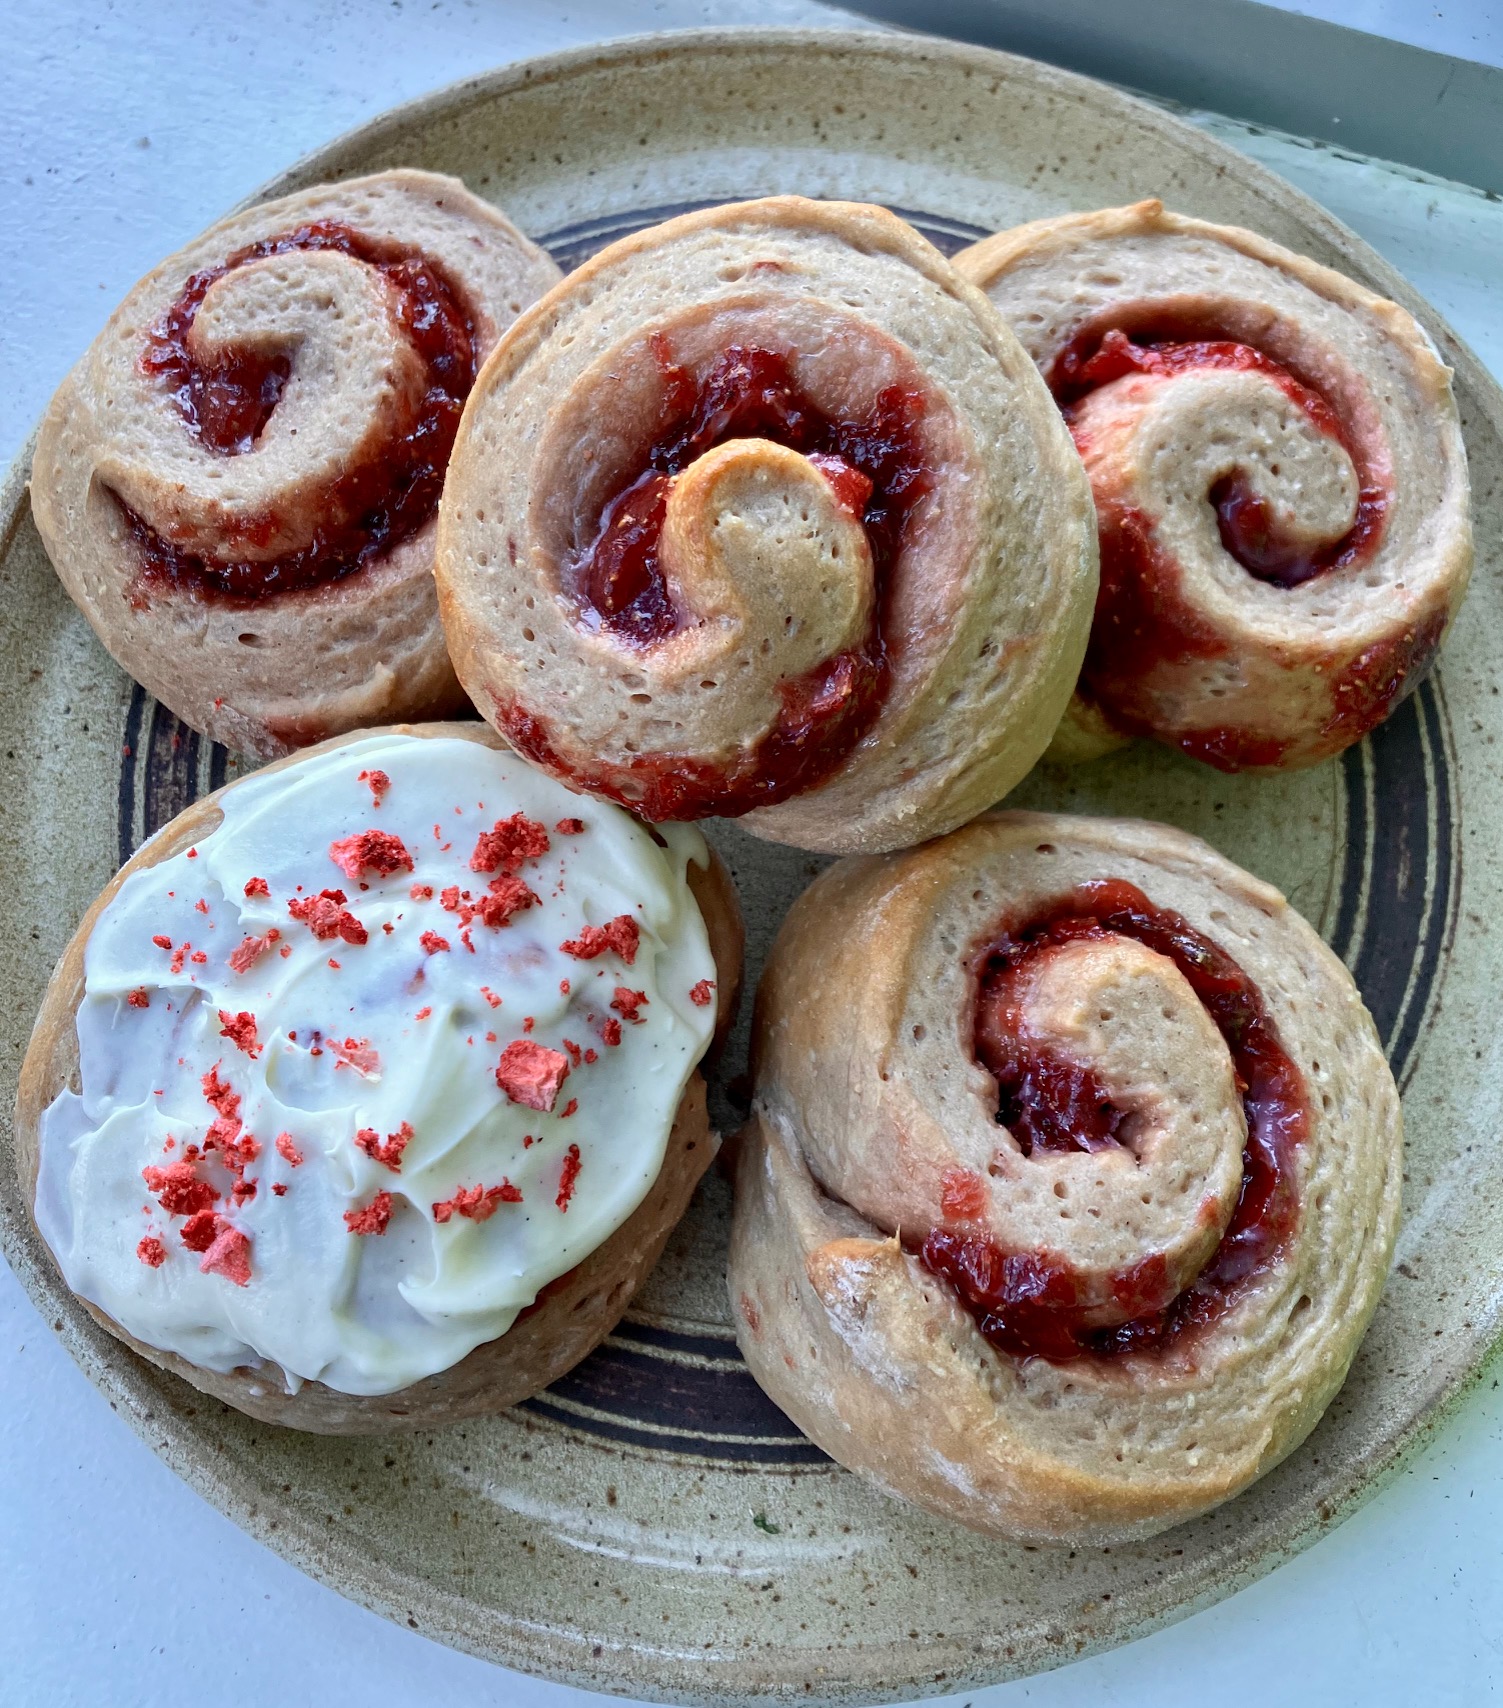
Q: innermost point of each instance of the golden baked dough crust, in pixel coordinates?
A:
(1259, 675)
(989, 593)
(572, 1316)
(870, 1104)
(294, 667)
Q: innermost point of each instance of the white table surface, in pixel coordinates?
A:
(118, 1585)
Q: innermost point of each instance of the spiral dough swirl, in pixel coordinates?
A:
(1279, 476)
(763, 511)
(1072, 1177)
(238, 484)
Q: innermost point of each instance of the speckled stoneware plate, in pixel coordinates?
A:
(653, 1525)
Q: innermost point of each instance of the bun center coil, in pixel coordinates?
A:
(334, 367)
(1137, 1066)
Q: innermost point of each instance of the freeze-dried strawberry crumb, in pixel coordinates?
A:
(200, 906)
(569, 1108)
(610, 1033)
(507, 895)
(198, 957)
(508, 844)
(179, 1190)
(326, 916)
(252, 949)
(628, 1002)
(423, 1012)
(433, 944)
(228, 1256)
(373, 1218)
(357, 1053)
(702, 993)
(591, 1056)
(527, 1024)
(179, 955)
(478, 1203)
(218, 1095)
(621, 934)
(569, 826)
(576, 1055)
(257, 887)
(378, 782)
(139, 997)
(387, 1152)
(567, 1177)
(288, 1151)
(243, 1191)
(531, 1074)
(151, 1252)
(490, 996)
(421, 892)
(378, 851)
(234, 1152)
(279, 1189)
(240, 1029)
(161, 941)
(198, 1230)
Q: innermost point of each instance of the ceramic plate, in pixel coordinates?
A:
(652, 1524)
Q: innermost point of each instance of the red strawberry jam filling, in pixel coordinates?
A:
(877, 470)
(372, 505)
(1031, 1303)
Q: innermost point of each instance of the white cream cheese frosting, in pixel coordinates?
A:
(353, 1134)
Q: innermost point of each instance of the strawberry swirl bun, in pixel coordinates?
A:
(238, 483)
(764, 512)
(1072, 1177)
(1279, 475)
(368, 1093)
